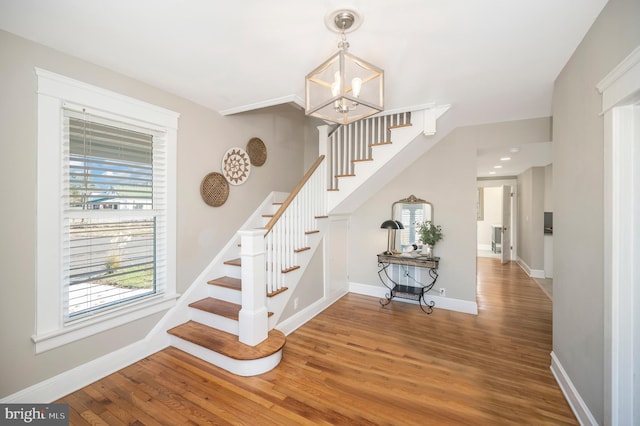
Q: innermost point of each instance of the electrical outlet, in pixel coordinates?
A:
(443, 292)
(295, 303)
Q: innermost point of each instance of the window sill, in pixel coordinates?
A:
(89, 326)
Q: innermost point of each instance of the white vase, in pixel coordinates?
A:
(427, 250)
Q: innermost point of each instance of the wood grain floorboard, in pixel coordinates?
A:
(360, 364)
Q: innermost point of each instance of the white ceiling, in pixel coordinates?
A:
(513, 160)
(492, 60)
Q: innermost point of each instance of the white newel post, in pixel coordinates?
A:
(253, 317)
(323, 139)
(323, 149)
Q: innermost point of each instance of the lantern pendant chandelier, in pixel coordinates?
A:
(344, 88)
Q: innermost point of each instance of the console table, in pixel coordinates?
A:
(405, 291)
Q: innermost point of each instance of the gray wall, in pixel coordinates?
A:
(445, 176)
(531, 217)
(578, 147)
(203, 138)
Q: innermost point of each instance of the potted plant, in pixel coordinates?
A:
(430, 234)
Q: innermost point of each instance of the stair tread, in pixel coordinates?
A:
(277, 292)
(227, 344)
(234, 262)
(397, 126)
(228, 282)
(218, 307)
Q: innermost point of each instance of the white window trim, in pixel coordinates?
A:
(53, 91)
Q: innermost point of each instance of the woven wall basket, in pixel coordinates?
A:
(214, 189)
(257, 152)
(236, 166)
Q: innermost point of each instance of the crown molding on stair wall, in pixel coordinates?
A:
(289, 99)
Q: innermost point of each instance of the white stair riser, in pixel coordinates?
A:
(232, 271)
(215, 321)
(239, 367)
(227, 294)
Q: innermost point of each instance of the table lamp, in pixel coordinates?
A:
(391, 226)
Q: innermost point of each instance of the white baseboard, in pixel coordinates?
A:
(71, 380)
(574, 399)
(447, 303)
(295, 321)
(533, 273)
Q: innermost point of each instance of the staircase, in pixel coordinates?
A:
(230, 321)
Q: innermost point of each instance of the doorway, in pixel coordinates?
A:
(496, 224)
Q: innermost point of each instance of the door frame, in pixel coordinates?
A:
(621, 110)
(498, 183)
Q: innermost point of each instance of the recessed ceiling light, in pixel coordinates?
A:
(505, 158)
(514, 150)
(497, 167)
(492, 173)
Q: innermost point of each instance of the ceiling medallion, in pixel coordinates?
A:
(236, 166)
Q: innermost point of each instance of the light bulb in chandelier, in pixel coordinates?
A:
(356, 86)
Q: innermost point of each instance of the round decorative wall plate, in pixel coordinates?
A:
(257, 152)
(214, 189)
(236, 166)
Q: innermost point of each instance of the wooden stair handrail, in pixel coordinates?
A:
(293, 194)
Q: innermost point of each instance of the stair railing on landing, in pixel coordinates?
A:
(353, 142)
(287, 231)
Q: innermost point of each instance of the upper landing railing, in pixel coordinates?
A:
(353, 142)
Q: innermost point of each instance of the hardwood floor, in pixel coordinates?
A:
(360, 364)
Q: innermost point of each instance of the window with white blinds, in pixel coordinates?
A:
(106, 210)
(113, 207)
